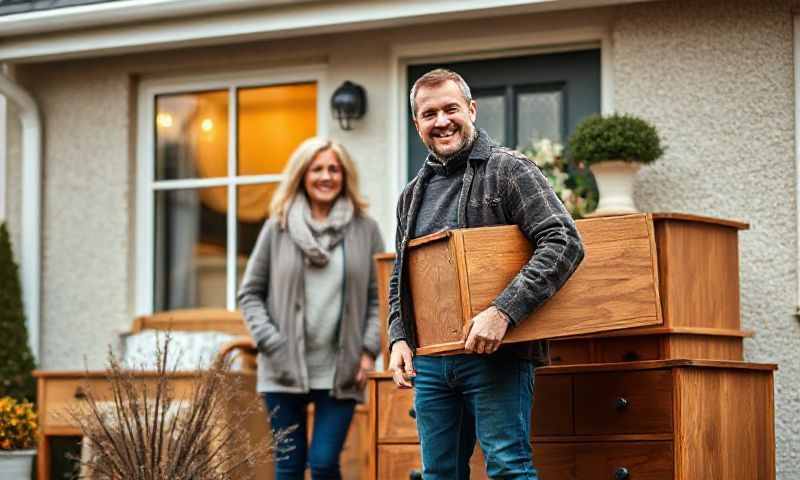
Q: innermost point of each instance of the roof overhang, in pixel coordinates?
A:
(145, 25)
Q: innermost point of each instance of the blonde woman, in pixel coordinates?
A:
(309, 298)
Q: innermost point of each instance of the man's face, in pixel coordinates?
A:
(444, 120)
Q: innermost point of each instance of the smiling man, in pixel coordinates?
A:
(469, 181)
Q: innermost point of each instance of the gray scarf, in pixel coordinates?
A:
(317, 238)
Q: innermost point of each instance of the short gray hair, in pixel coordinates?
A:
(434, 78)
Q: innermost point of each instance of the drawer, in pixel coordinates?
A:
(63, 394)
(552, 405)
(396, 414)
(627, 349)
(570, 352)
(604, 461)
(623, 402)
(605, 350)
(400, 462)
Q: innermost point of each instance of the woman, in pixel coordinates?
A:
(309, 297)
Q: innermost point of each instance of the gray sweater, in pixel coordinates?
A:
(272, 301)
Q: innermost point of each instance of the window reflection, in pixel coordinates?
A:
(190, 249)
(273, 121)
(192, 135)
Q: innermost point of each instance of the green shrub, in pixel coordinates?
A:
(615, 137)
(16, 360)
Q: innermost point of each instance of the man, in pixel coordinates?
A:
(468, 181)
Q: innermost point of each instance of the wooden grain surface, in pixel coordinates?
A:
(395, 425)
(705, 347)
(699, 274)
(384, 264)
(649, 402)
(434, 286)
(600, 461)
(196, 319)
(725, 425)
(614, 287)
(656, 364)
(736, 224)
(552, 406)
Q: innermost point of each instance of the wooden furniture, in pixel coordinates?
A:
(58, 389)
(698, 263)
(454, 275)
(649, 420)
(671, 401)
(663, 419)
(384, 263)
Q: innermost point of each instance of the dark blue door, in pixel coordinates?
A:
(522, 99)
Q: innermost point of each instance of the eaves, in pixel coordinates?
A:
(146, 25)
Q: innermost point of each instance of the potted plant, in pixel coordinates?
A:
(18, 426)
(614, 147)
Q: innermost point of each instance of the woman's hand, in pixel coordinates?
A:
(367, 365)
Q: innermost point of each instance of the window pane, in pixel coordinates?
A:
(492, 116)
(190, 248)
(272, 123)
(252, 213)
(192, 135)
(539, 116)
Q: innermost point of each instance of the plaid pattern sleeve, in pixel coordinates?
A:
(536, 209)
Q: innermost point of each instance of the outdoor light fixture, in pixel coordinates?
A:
(348, 102)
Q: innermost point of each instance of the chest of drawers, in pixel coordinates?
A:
(647, 420)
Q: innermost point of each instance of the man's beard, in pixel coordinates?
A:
(470, 134)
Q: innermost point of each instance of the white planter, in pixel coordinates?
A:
(16, 464)
(615, 186)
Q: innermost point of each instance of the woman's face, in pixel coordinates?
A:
(323, 179)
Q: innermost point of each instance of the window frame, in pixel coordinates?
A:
(146, 185)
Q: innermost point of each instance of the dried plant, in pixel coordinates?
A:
(145, 433)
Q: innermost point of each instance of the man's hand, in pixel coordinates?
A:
(367, 365)
(486, 331)
(400, 364)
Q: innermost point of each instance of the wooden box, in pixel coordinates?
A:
(454, 275)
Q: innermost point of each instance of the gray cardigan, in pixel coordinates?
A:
(271, 300)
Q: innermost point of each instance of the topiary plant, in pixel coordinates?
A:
(615, 137)
(16, 360)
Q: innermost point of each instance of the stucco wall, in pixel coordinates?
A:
(716, 77)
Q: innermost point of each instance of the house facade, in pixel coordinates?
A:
(142, 139)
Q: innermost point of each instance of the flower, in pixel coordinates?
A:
(18, 424)
(572, 183)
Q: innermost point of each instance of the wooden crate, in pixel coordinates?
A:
(455, 275)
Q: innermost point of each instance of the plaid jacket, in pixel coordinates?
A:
(501, 187)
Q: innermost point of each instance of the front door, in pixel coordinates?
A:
(522, 99)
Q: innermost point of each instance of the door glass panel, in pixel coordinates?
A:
(191, 135)
(190, 247)
(539, 115)
(492, 116)
(273, 121)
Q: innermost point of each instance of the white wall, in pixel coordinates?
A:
(716, 77)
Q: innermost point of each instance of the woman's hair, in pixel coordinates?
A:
(296, 169)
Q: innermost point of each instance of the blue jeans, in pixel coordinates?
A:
(458, 397)
(331, 422)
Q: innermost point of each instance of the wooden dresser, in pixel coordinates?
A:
(653, 403)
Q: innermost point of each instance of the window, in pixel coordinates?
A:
(212, 153)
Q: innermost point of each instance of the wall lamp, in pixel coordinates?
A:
(349, 102)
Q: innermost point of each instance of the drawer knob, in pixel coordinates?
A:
(412, 413)
(415, 475)
(630, 356)
(80, 394)
(622, 473)
(622, 403)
